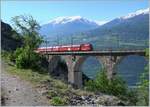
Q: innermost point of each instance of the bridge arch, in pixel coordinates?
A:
(77, 67)
(82, 59)
(130, 72)
(58, 67)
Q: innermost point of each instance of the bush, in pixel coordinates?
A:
(132, 97)
(26, 58)
(102, 84)
(57, 101)
(13, 55)
(22, 61)
(143, 86)
(117, 86)
(18, 52)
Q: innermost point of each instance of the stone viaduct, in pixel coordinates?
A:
(74, 60)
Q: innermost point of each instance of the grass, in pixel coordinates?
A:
(58, 88)
(28, 74)
(33, 76)
(58, 101)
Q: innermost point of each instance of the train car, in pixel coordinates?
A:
(55, 48)
(44, 49)
(86, 47)
(41, 49)
(75, 48)
(69, 48)
(66, 48)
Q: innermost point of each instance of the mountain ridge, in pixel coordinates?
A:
(132, 28)
(133, 14)
(67, 26)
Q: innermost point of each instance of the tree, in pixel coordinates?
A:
(27, 28)
(102, 84)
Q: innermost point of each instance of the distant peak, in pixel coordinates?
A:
(69, 19)
(138, 12)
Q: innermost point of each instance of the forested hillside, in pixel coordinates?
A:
(9, 38)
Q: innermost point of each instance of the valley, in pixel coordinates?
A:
(75, 53)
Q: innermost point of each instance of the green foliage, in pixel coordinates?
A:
(118, 86)
(143, 86)
(23, 61)
(4, 54)
(142, 97)
(130, 97)
(8, 55)
(11, 56)
(25, 56)
(147, 52)
(28, 29)
(102, 84)
(57, 101)
(52, 93)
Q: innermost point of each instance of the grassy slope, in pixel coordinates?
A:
(56, 89)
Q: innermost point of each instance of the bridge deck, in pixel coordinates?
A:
(118, 53)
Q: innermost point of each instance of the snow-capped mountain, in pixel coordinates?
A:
(65, 20)
(67, 26)
(134, 26)
(138, 12)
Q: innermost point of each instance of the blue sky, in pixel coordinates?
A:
(44, 11)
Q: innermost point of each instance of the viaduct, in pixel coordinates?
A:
(74, 60)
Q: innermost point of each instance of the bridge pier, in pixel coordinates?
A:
(74, 75)
(109, 65)
(75, 79)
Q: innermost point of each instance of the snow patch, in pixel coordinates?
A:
(101, 22)
(138, 12)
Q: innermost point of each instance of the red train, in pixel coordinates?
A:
(81, 47)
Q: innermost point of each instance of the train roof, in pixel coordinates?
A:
(59, 46)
